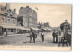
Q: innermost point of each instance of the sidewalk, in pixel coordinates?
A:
(27, 34)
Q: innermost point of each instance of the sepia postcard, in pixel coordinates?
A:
(25, 26)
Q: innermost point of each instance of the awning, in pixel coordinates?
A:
(22, 28)
(35, 29)
(11, 27)
(44, 28)
(14, 27)
(48, 28)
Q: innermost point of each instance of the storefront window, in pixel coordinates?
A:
(11, 30)
(4, 29)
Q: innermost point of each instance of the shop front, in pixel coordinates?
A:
(8, 29)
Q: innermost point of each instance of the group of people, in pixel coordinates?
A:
(57, 36)
(33, 35)
(61, 37)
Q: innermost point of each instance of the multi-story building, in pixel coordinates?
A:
(8, 18)
(29, 17)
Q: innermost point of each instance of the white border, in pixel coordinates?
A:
(75, 25)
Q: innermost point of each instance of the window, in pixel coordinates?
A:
(2, 19)
(8, 20)
(4, 29)
(13, 22)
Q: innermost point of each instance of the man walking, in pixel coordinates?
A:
(54, 36)
(30, 36)
(6, 33)
(33, 35)
(42, 36)
(57, 34)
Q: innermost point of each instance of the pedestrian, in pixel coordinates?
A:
(33, 35)
(30, 36)
(6, 33)
(57, 36)
(54, 36)
(42, 36)
(60, 38)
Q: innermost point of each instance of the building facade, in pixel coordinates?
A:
(8, 18)
(29, 17)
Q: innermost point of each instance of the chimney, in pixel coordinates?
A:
(7, 6)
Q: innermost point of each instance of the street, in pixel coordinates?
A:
(24, 39)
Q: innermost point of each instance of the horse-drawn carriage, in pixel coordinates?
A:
(66, 39)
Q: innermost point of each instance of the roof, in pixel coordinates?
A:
(14, 27)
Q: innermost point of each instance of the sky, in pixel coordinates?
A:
(55, 14)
